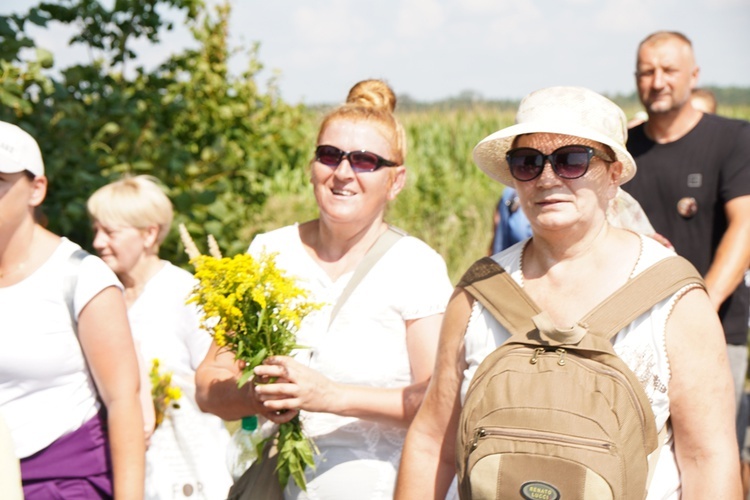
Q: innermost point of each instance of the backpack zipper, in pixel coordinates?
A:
(541, 350)
(538, 436)
(591, 365)
(597, 367)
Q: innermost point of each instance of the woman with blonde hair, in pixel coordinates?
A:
(131, 218)
(361, 380)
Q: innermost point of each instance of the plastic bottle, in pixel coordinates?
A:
(242, 451)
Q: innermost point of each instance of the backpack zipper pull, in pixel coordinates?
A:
(561, 353)
(535, 357)
(478, 434)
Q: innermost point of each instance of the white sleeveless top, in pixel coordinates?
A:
(641, 345)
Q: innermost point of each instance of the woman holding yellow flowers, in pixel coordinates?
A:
(185, 458)
(359, 378)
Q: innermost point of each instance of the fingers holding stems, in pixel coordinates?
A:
(283, 384)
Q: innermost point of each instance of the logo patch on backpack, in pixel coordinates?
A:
(537, 490)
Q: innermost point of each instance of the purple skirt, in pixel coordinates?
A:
(76, 466)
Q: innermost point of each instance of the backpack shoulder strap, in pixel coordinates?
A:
(384, 242)
(640, 293)
(490, 284)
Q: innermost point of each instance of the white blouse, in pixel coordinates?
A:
(365, 345)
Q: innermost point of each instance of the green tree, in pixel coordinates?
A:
(218, 143)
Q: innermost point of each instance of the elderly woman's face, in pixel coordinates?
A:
(348, 196)
(120, 247)
(551, 202)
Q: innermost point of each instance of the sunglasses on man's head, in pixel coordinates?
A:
(361, 161)
(568, 162)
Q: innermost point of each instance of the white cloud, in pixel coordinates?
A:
(582, 2)
(329, 25)
(490, 6)
(624, 16)
(436, 48)
(721, 4)
(387, 48)
(520, 25)
(419, 18)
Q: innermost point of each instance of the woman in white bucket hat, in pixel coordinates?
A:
(566, 157)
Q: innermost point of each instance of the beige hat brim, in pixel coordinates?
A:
(489, 154)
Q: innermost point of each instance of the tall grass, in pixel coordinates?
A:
(448, 202)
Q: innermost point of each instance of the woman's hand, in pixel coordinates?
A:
(662, 239)
(285, 386)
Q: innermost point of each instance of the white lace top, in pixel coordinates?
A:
(365, 345)
(641, 345)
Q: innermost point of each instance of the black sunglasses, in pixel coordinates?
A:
(568, 162)
(361, 161)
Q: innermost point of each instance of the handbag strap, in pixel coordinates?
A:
(384, 242)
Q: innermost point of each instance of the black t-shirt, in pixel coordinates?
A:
(683, 186)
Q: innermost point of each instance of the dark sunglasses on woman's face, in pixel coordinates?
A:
(361, 161)
(568, 162)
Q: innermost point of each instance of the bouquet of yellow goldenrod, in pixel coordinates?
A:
(253, 309)
(163, 393)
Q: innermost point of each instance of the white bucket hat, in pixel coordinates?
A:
(575, 111)
(19, 151)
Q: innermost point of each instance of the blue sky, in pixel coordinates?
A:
(432, 49)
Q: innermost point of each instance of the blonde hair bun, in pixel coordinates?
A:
(374, 102)
(372, 94)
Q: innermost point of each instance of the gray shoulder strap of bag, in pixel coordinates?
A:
(384, 242)
(491, 285)
(71, 281)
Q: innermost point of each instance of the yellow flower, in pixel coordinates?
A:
(253, 309)
(249, 306)
(173, 393)
(163, 393)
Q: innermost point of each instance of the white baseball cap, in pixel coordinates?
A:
(19, 151)
(573, 111)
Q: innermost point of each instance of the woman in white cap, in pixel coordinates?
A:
(566, 157)
(68, 369)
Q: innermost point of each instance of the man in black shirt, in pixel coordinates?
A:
(693, 182)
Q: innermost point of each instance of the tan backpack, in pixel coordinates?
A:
(557, 414)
